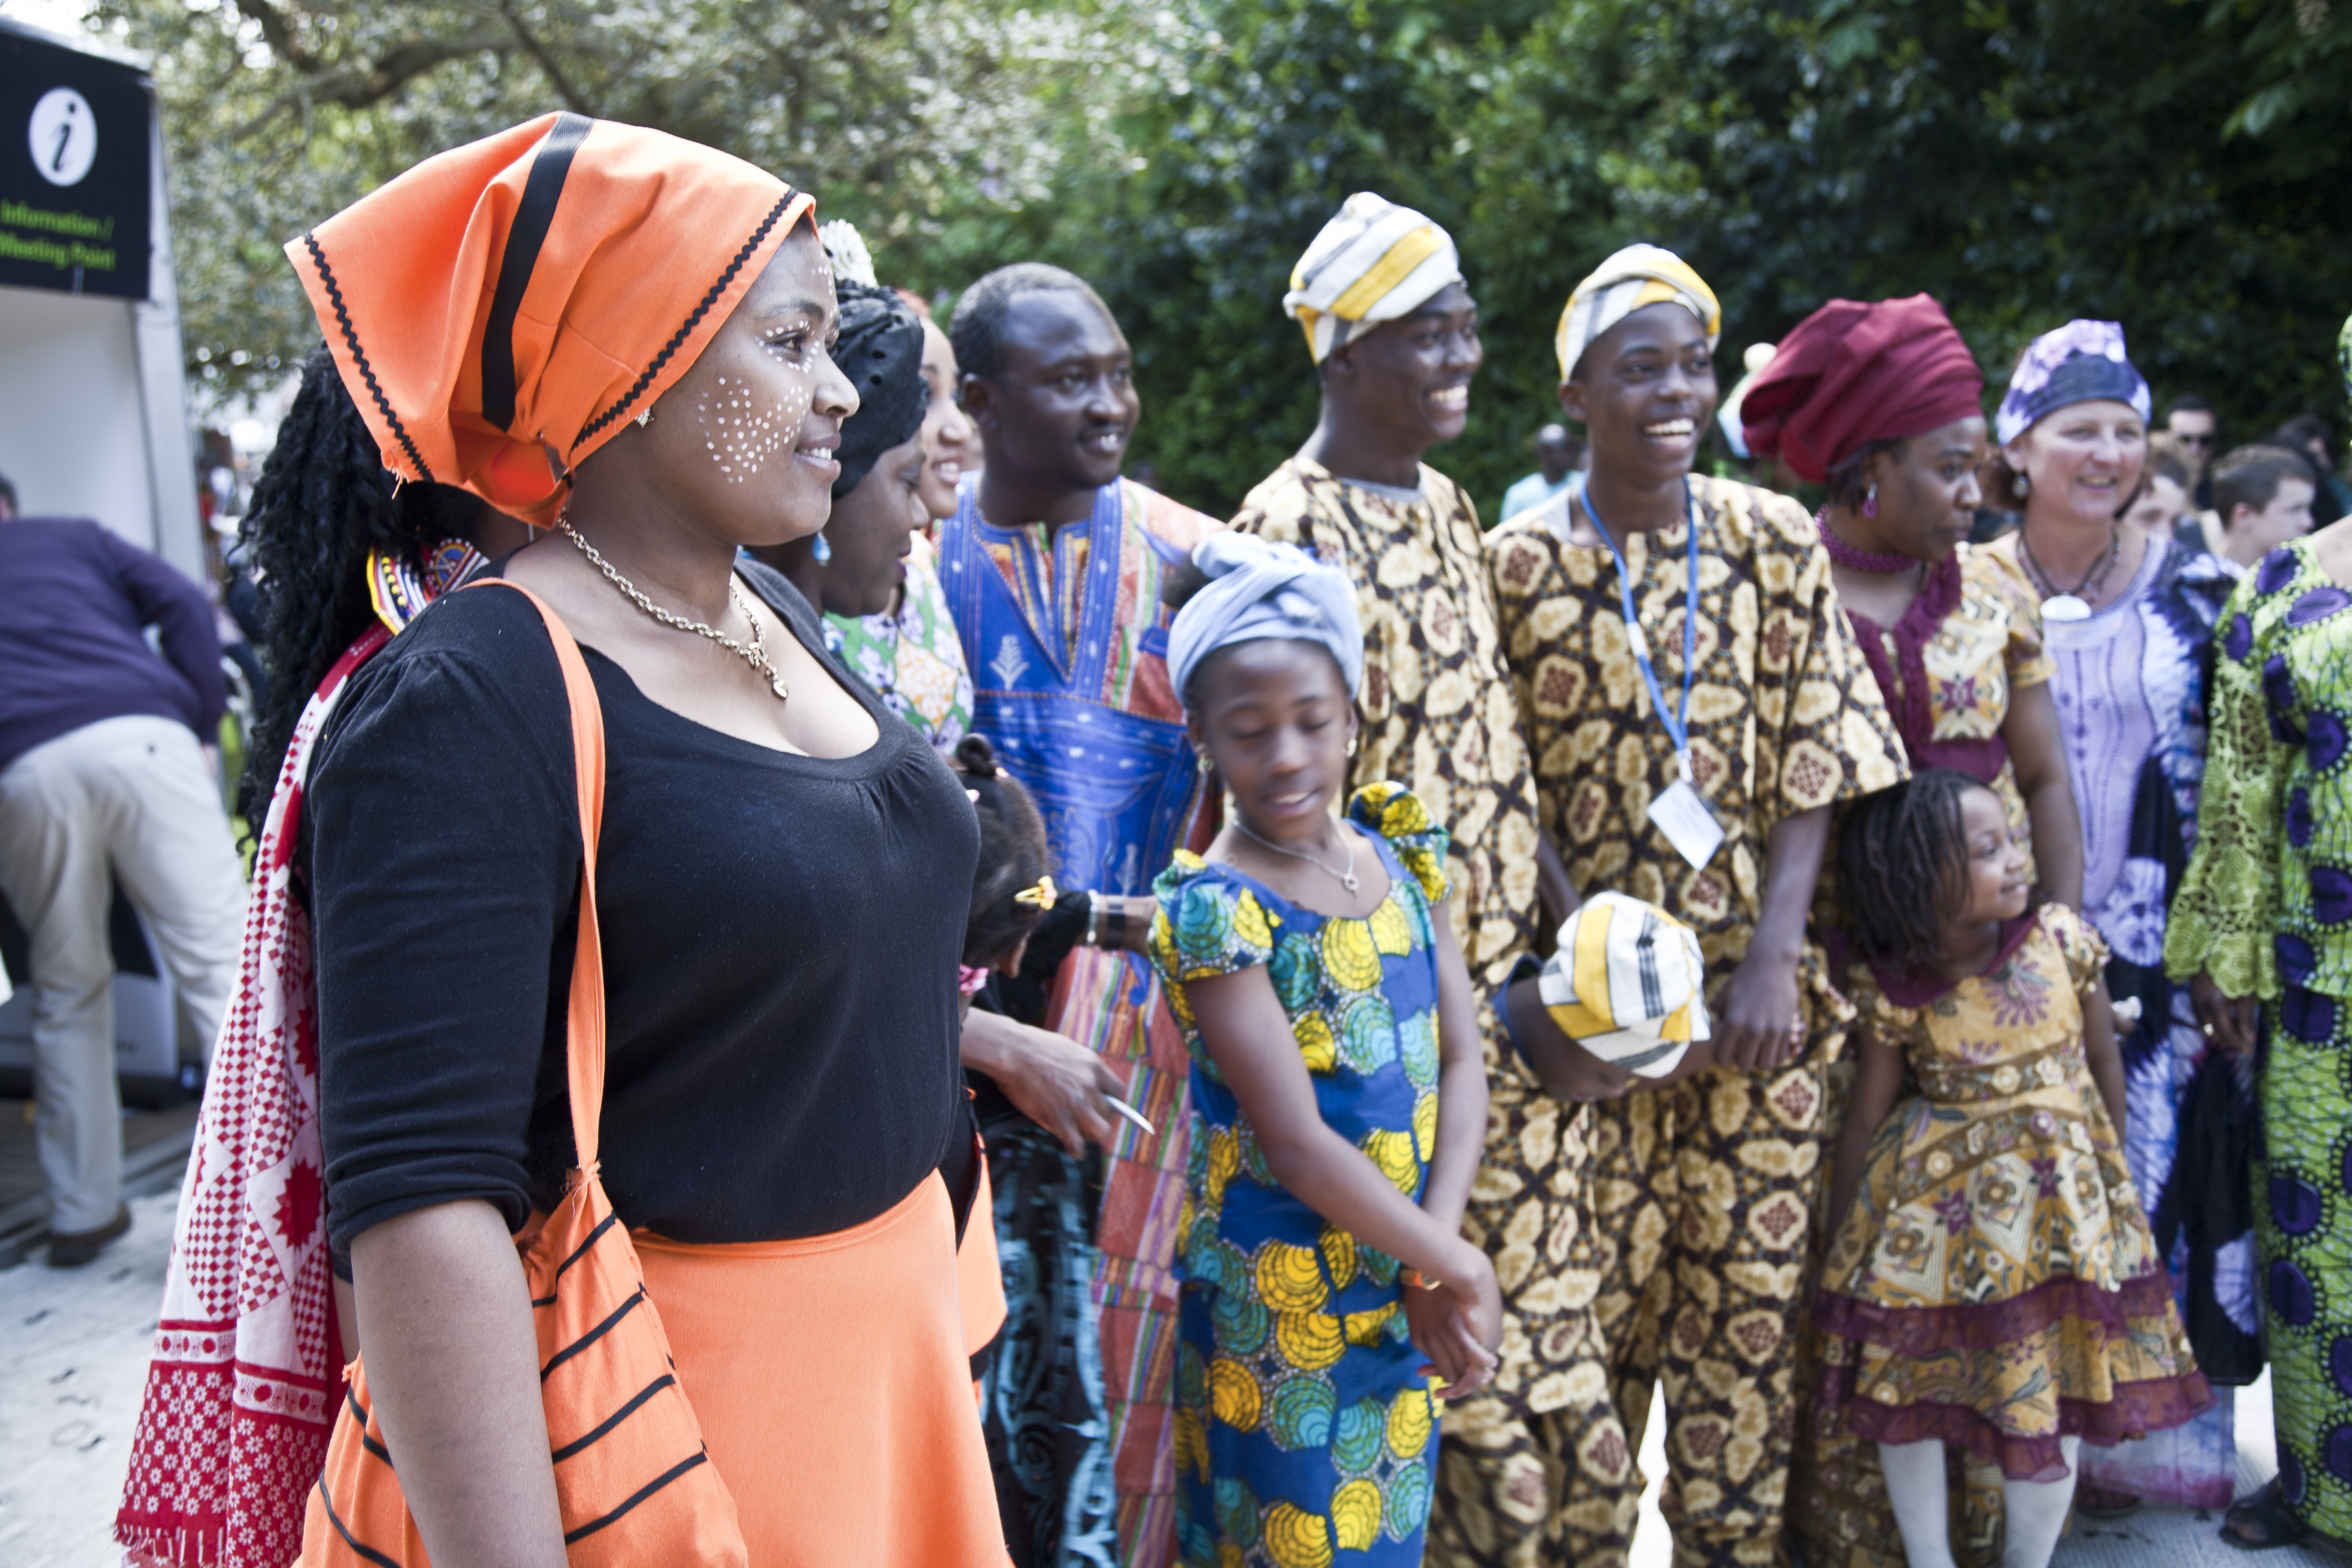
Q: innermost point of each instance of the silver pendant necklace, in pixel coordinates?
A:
(2074, 606)
(754, 653)
(1347, 879)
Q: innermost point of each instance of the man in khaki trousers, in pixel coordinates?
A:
(103, 776)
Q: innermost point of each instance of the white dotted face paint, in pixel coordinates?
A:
(747, 421)
(743, 426)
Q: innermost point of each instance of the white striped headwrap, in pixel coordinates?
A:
(1373, 263)
(1627, 983)
(1637, 276)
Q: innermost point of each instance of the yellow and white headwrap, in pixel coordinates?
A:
(1636, 275)
(1373, 263)
(1626, 983)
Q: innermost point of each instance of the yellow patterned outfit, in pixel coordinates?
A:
(1946, 668)
(1439, 715)
(1702, 1190)
(1996, 1284)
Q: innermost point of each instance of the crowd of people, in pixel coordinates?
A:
(830, 979)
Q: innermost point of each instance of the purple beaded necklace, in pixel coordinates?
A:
(1882, 564)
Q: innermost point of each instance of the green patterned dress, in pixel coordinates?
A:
(1305, 1430)
(909, 655)
(2267, 909)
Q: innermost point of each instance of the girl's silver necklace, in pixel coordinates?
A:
(1347, 879)
(754, 653)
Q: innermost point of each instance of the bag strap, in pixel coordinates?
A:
(585, 1060)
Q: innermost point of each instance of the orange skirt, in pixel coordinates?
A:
(832, 1377)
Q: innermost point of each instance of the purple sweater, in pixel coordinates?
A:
(73, 601)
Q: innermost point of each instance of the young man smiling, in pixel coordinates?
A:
(1394, 335)
(1690, 760)
(1052, 565)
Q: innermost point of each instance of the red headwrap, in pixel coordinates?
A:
(1852, 374)
(533, 290)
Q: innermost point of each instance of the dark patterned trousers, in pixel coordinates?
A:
(1503, 1497)
(1702, 1199)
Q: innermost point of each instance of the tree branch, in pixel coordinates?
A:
(361, 86)
(572, 98)
(277, 33)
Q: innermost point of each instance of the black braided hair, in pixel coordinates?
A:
(1903, 861)
(324, 501)
(1179, 581)
(1014, 855)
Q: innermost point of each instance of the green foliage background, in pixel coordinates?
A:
(2179, 165)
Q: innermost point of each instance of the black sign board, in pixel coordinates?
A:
(74, 170)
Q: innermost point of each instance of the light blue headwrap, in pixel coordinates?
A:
(2082, 361)
(1260, 590)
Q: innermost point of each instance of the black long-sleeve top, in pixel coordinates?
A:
(780, 934)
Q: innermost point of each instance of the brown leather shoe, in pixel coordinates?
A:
(77, 1248)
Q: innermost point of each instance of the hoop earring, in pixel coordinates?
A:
(1870, 502)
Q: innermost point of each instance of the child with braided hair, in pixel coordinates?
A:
(1011, 888)
(1991, 1279)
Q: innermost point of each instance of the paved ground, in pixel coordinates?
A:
(70, 1387)
(155, 1151)
(76, 1356)
(2154, 1538)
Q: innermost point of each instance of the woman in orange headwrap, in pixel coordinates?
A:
(623, 339)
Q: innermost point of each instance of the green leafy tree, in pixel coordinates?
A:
(936, 122)
(2026, 163)
(2175, 166)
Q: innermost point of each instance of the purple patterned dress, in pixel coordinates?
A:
(2130, 692)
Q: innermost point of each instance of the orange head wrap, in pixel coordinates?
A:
(533, 290)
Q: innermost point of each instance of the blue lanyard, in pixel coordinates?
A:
(1677, 724)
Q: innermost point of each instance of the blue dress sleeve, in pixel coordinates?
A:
(1207, 923)
(1395, 813)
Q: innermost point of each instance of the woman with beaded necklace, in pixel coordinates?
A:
(1883, 404)
(2128, 620)
(624, 339)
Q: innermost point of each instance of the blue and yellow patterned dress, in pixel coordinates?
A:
(1306, 1434)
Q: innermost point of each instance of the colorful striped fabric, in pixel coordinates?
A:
(1637, 276)
(1626, 982)
(1068, 641)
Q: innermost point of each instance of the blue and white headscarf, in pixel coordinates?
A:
(1259, 590)
(2082, 361)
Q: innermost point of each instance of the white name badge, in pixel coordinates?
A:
(1684, 817)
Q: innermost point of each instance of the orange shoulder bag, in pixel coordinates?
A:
(631, 1476)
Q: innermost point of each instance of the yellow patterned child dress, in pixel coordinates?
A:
(1996, 1284)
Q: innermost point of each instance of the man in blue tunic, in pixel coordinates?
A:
(1052, 567)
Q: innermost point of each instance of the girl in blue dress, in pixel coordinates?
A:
(1339, 1104)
